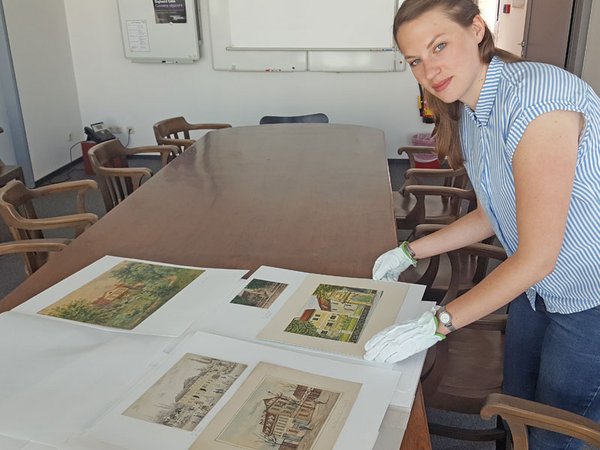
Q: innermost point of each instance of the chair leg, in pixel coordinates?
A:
(501, 444)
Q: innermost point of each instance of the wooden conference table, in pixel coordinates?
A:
(308, 197)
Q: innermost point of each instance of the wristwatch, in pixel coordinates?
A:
(445, 318)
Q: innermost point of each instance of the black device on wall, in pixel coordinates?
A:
(97, 133)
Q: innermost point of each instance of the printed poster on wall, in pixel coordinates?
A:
(170, 11)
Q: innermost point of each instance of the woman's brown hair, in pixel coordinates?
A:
(447, 115)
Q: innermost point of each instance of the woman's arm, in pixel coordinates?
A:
(469, 229)
(544, 169)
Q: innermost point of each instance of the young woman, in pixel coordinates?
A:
(529, 136)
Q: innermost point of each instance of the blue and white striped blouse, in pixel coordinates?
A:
(512, 96)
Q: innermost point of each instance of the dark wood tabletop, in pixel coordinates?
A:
(308, 197)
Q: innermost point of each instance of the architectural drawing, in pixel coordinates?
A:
(334, 312)
(259, 293)
(124, 296)
(281, 408)
(187, 392)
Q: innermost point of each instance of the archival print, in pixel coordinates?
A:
(333, 312)
(259, 293)
(187, 392)
(281, 408)
(336, 314)
(123, 296)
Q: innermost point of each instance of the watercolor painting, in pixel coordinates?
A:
(183, 396)
(123, 296)
(338, 313)
(259, 293)
(281, 408)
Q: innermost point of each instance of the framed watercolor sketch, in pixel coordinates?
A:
(279, 407)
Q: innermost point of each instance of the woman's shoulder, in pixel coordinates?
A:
(534, 82)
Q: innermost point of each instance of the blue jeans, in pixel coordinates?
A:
(553, 359)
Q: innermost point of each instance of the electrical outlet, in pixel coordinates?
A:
(130, 130)
(114, 129)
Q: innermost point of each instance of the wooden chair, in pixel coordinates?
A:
(176, 131)
(432, 196)
(521, 414)
(308, 118)
(117, 179)
(36, 251)
(18, 212)
(462, 370)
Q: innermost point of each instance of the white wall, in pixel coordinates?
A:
(43, 67)
(119, 92)
(7, 154)
(591, 63)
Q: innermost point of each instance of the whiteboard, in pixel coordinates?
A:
(146, 40)
(307, 35)
(312, 24)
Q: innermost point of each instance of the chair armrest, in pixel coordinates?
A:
(444, 191)
(208, 126)
(65, 186)
(124, 171)
(434, 173)
(167, 152)
(179, 143)
(520, 413)
(77, 221)
(412, 149)
(33, 245)
(81, 186)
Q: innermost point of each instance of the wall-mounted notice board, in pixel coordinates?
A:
(292, 35)
(160, 31)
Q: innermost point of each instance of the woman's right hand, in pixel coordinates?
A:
(392, 263)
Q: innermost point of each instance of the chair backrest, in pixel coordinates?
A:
(176, 131)
(432, 196)
(115, 178)
(16, 203)
(308, 118)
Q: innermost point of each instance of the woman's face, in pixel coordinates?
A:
(444, 56)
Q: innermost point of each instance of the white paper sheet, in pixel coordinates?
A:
(359, 431)
(172, 319)
(244, 322)
(57, 377)
(8, 443)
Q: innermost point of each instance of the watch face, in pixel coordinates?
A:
(444, 317)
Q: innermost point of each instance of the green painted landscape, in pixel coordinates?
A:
(124, 296)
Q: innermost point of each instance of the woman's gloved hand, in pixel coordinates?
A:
(402, 340)
(392, 263)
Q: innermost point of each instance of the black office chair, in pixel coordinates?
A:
(308, 118)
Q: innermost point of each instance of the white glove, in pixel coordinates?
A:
(392, 263)
(402, 340)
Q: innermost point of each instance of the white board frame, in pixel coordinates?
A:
(227, 56)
